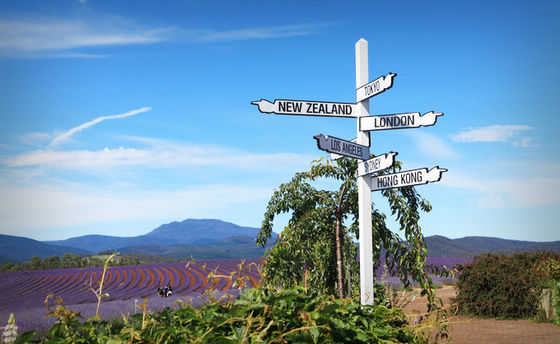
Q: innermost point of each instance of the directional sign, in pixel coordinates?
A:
(307, 108)
(379, 163)
(406, 178)
(399, 121)
(375, 87)
(335, 156)
(335, 145)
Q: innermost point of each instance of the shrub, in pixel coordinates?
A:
(258, 316)
(497, 285)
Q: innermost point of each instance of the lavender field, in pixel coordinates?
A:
(23, 293)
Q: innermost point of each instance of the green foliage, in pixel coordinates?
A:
(69, 260)
(257, 316)
(496, 285)
(306, 251)
(555, 287)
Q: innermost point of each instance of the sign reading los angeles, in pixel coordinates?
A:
(379, 163)
(306, 108)
(407, 178)
(342, 147)
(399, 121)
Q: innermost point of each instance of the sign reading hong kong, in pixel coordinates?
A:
(407, 178)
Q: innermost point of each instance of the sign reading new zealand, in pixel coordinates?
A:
(335, 145)
(306, 108)
(399, 121)
(407, 178)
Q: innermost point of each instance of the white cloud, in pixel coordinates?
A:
(526, 142)
(61, 37)
(257, 33)
(64, 136)
(61, 206)
(493, 133)
(21, 37)
(432, 145)
(158, 154)
(515, 192)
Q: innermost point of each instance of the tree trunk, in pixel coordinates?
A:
(339, 264)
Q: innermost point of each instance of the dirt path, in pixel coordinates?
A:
(466, 330)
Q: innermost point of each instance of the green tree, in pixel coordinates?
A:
(310, 248)
(52, 262)
(35, 263)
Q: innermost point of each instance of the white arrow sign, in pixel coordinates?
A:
(407, 178)
(307, 108)
(335, 145)
(375, 87)
(399, 121)
(379, 163)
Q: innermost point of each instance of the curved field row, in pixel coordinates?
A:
(30, 288)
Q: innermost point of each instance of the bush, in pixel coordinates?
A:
(496, 285)
(257, 316)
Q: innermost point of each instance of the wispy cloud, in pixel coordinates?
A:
(258, 33)
(158, 154)
(66, 135)
(63, 37)
(26, 37)
(492, 133)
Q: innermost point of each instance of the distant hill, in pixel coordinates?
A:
(440, 246)
(232, 247)
(187, 232)
(216, 239)
(17, 249)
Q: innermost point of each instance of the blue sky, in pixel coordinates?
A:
(117, 117)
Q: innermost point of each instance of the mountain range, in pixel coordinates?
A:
(216, 239)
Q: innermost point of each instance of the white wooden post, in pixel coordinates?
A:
(364, 188)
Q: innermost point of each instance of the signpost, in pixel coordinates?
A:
(399, 121)
(359, 149)
(375, 87)
(342, 147)
(406, 178)
(379, 163)
(306, 108)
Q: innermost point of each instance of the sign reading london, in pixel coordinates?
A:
(407, 178)
(399, 121)
(307, 108)
(335, 145)
(375, 87)
(379, 163)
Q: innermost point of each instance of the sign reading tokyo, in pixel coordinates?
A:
(407, 178)
(335, 145)
(379, 163)
(375, 87)
(399, 121)
(307, 108)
